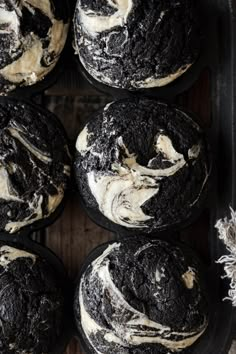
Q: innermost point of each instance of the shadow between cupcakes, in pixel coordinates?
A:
(217, 337)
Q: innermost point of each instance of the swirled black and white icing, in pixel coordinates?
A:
(31, 303)
(141, 297)
(34, 164)
(32, 36)
(136, 44)
(142, 164)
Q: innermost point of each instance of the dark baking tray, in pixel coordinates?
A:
(219, 58)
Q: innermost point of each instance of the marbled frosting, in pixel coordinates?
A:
(135, 44)
(32, 36)
(34, 164)
(142, 164)
(141, 296)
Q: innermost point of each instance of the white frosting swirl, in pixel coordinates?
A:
(93, 23)
(127, 326)
(121, 192)
(35, 203)
(9, 254)
(27, 68)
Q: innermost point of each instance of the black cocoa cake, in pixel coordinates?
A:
(134, 44)
(32, 36)
(142, 165)
(32, 303)
(34, 164)
(140, 296)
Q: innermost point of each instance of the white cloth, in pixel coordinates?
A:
(227, 233)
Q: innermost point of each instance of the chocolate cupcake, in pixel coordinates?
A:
(142, 165)
(32, 36)
(135, 44)
(140, 296)
(32, 303)
(34, 164)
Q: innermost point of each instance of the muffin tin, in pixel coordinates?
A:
(219, 57)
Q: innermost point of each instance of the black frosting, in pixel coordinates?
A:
(38, 23)
(163, 36)
(31, 308)
(27, 175)
(61, 10)
(138, 121)
(167, 301)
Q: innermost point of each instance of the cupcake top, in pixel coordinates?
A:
(134, 44)
(142, 165)
(32, 36)
(34, 164)
(31, 303)
(141, 296)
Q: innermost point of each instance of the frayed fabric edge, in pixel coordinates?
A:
(227, 233)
